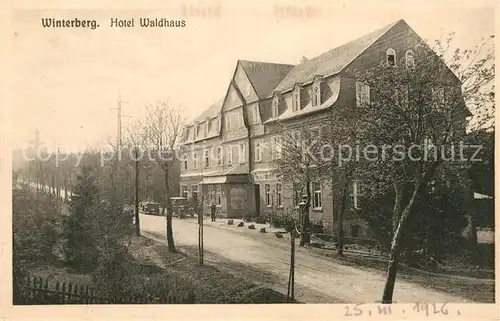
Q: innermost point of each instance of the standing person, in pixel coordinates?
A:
(212, 211)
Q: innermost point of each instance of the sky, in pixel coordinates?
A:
(65, 82)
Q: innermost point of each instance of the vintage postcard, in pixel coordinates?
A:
(282, 159)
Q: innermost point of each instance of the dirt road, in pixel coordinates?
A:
(265, 259)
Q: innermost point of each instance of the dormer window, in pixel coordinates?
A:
(391, 57)
(316, 96)
(206, 126)
(198, 129)
(296, 101)
(217, 124)
(193, 134)
(410, 59)
(275, 110)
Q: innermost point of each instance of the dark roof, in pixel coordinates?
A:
(265, 76)
(331, 61)
(211, 111)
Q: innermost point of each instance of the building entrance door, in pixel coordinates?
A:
(256, 193)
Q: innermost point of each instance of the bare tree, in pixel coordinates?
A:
(135, 142)
(164, 125)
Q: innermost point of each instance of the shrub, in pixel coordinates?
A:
(35, 229)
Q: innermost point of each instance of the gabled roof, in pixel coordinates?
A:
(210, 112)
(332, 61)
(265, 76)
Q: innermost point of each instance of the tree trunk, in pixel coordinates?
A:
(170, 234)
(396, 241)
(340, 227)
(65, 183)
(305, 237)
(396, 250)
(137, 226)
(396, 212)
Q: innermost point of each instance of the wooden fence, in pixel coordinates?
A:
(35, 290)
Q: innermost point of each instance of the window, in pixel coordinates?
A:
(233, 95)
(195, 160)
(391, 57)
(228, 122)
(198, 127)
(218, 195)
(184, 191)
(316, 97)
(241, 123)
(185, 164)
(410, 59)
(210, 194)
(192, 132)
(217, 125)
(242, 153)
(230, 155)
(219, 156)
(207, 158)
(194, 192)
(317, 197)
(279, 191)
(296, 102)
(275, 108)
(356, 193)
(255, 114)
(268, 194)
(258, 151)
(276, 148)
(248, 89)
(297, 193)
(362, 94)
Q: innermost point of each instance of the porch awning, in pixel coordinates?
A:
(214, 180)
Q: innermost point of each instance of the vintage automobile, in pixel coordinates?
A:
(151, 208)
(179, 206)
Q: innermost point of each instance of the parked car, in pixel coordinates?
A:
(179, 206)
(151, 208)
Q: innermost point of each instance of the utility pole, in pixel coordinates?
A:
(119, 117)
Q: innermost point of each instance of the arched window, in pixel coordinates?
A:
(316, 97)
(391, 57)
(410, 59)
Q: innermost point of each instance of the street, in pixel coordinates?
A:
(265, 259)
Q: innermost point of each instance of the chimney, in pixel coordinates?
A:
(303, 59)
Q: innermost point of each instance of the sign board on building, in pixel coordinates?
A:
(264, 176)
